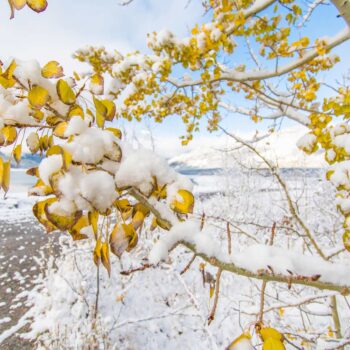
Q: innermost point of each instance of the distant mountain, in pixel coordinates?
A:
(27, 161)
(279, 147)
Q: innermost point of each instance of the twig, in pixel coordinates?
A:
(229, 245)
(141, 268)
(188, 265)
(216, 297)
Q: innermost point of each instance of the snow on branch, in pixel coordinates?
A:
(284, 111)
(270, 263)
(267, 263)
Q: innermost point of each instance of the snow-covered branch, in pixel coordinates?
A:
(272, 263)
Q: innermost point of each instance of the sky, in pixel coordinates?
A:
(67, 25)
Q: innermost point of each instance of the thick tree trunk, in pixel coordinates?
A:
(343, 7)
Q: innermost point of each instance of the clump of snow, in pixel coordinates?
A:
(76, 126)
(91, 145)
(98, 188)
(139, 167)
(49, 166)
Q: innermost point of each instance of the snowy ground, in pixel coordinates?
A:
(160, 308)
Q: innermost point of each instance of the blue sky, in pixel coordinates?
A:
(69, 24)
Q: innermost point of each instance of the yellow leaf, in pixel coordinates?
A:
(97, 252)
(346, 240)
(33, 172)
(101, 112)
(60, 130)
(123, 237)
(93, 220)
(37, 114)
(6, 79)
(243, 341)
(37, 5)
(5, 169)
(38, 97)
(97, 84)
(185, 203)
(63, 223)
(44, 142)
(115, 153)
(273, 344)
(39, 212)
(52, 69)
(40, 189)
(116, 132)
(123, 205)
(17, 153)
(66, 156)
(269, 332)
(76, 111)
(18, 4)
(138, 219)
(10, 134)
(75, 231)
(65, 92)
(211, 291)
(111, 109)
(105, 257)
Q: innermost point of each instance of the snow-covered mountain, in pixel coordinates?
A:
(279, 147)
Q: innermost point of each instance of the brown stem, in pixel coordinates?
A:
(216, 297)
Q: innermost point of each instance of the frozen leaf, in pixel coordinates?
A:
(6, 79)
(33, 172)
(38, 97)
(52, 69)
(39, 212)
(97, 84)
(138, 219)
(62, 222)
(184, 204)
(60, 130)
(97, 251)
(115, 153)
(115, 131)
(93, 220)
(40, 189)
(44, 142)
(346, 240)
(17, 153)
(243, 342)
(76, 110)
(101, 113)
(33, 142)
(65, 92)
(10, 134)
(105, 257)
(75, 231)
(66, 156)
(5, 171)
(123, 237)
(111, 109)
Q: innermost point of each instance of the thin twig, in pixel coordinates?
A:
(216, 296)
